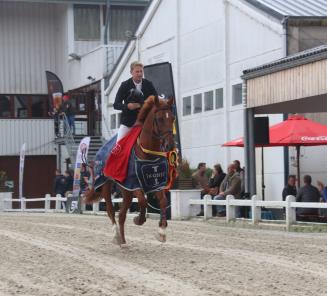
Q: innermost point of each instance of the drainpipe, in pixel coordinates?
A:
(285, 115)
(106, 39)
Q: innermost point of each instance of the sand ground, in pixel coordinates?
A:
(59, 254)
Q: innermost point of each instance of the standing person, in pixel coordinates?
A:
(69, 182)
(84, 183)
(241, 172)
(68, 110)
(290, 188)
(59, 185)
(127, 102)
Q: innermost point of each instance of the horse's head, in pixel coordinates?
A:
(158, 119)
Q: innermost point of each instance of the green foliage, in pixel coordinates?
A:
(3, 176)
(184, 169)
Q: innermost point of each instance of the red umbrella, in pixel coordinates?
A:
(295, 131)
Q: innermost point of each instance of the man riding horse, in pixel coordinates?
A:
(142, 160)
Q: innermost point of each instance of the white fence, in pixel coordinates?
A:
(255, 203)
(6, 203)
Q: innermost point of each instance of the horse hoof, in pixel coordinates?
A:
(138, 221)
(161, 238)
(116, 239)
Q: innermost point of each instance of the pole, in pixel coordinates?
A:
(298, 166)
(262, 175)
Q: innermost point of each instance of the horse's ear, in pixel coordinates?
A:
(170, 101)
(156, 100)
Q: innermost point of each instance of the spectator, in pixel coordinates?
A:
(323, 193)
(307, 193)
(231, 185)
(214, 182)
(241, 172)
(59, 185)
(69, 180)
(290, 188)
(84, 179)
(128, 103)
(200, 181)
(68, 110)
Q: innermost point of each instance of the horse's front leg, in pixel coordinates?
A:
(162, 236)
(127, 201)
(140, 219)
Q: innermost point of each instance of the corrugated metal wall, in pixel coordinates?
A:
(38, 134)
(27, 46)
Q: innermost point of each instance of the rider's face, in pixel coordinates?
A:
(137, 73)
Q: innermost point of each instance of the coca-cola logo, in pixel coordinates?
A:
(318, 138)
(116, 150)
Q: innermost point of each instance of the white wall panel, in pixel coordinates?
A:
(27, 46)
(38, 134)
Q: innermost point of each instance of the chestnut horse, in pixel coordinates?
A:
(156, 139)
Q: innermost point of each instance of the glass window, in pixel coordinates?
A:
(237, 94)
(219, 98)
(38, 106)
(186, 106)
(118, 119)
(208, 101)
(5, 106)
(87, 22)
(197, 103)
(21, 106)
(113, 121)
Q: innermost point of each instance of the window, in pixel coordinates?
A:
(24, 106)
(124, 20)
(118, 119)
(5, 106)
(113, 121)
(197, 103)
(208, 101)
(87, 22)
(187, 106)
(237, 94)
(219, 98)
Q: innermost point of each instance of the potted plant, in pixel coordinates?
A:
(3, 179)
(184, 177)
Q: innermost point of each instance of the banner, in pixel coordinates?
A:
(55, 89)
(161, 75)
(21, 173)
(81, 156)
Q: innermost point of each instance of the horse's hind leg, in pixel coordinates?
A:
(140, 219)
(127, 201)
(163, 218)
(106, 194)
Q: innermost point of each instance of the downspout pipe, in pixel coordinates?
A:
(285, 115)
(106, 39)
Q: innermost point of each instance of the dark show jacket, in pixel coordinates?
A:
(128, 117)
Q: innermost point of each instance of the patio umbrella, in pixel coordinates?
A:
(295, 131)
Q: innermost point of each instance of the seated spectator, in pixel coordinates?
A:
(323, 193)
(307, 193)
(290, 188)
(231, 185)
(200, 181)
(217, 177)
(241, 172)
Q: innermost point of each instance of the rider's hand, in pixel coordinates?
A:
(133, 106)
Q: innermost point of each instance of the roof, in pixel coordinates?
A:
(113, 2)
(300, 58)
(292, 8)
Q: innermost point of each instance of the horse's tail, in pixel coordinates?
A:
(92, 196)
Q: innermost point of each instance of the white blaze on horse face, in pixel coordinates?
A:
(167, 115)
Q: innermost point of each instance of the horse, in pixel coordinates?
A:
(155, 140)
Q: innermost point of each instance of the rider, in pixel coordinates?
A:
(130, 97)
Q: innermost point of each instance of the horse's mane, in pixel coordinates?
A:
(147, 106)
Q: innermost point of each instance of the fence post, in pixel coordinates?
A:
(256, 211)
(230, 210)
(290, 212)
(207, 209)
(58, 203)
(47, 202)
(23, 204)
(96, 207)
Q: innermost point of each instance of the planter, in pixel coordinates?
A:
(183, 183)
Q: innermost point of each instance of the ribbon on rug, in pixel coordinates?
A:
(117, 164)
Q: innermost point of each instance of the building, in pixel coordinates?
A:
(76, 41)
(209, 44)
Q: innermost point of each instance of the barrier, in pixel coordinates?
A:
(256, 204)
